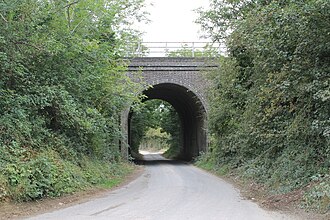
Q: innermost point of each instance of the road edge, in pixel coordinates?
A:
(258, 198)
(30, 209)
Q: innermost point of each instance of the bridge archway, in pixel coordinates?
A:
(192, 115)
(181, 82)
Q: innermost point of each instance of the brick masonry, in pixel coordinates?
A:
(187, 72)
(182, 82)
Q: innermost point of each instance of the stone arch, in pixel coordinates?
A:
(192, 115)
(181, 82)
(189, 72)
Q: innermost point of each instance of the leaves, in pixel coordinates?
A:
(160, 117)
(62, 89)
(269, 113)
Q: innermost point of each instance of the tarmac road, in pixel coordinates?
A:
(168, 190)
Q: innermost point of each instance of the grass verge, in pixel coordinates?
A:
(121, 173)
(293, 203)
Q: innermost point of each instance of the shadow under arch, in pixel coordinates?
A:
(192, 115)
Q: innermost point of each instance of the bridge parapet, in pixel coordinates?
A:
(171, 64)
(174, 49)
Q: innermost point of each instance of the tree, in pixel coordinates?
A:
(62, 88)
(156, 115)
(270, 100)
(189, 51)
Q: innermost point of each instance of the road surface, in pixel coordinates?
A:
(168, 190)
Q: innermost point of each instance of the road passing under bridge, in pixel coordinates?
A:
(169, 190)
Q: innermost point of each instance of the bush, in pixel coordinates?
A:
(318, 195)
(62, 90)
(269, 103)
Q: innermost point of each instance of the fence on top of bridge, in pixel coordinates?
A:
(174, 49)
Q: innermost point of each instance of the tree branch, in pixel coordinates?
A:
(68, 11)
(69, 18)
(74, 29)
(3, 18)
(28, 44)
(70, 4)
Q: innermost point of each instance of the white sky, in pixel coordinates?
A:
(173, 20)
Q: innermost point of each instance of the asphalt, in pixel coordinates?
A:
(170, 190)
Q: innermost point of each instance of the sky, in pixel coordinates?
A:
(173, 21)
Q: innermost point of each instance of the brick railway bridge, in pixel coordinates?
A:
(180, 81)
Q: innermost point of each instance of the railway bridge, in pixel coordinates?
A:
(182, 82)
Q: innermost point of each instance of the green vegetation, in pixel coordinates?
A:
(156, 122)
(171, 124)
(155, 139)
(62, 89)
(146, 116)
(117, 172)
(270, 99)
(187, 51)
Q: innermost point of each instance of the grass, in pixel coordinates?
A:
(126, 169)
(207, 162)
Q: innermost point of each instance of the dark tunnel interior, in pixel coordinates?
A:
(192, 114)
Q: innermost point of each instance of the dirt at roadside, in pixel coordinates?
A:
(286, 203)
(28, 209)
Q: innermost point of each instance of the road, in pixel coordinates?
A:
(168, 190)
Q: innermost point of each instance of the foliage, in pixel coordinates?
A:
(155, 115)
(171, 124)
(62, 89)
(206, 161)
(318, 195)
(187, 51)
(269, 113)
(31, 175)
(145, 116)
(155, 140)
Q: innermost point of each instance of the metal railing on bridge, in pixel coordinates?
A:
(174, 49)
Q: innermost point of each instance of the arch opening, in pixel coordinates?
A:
(192, 115)
(155, 127)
